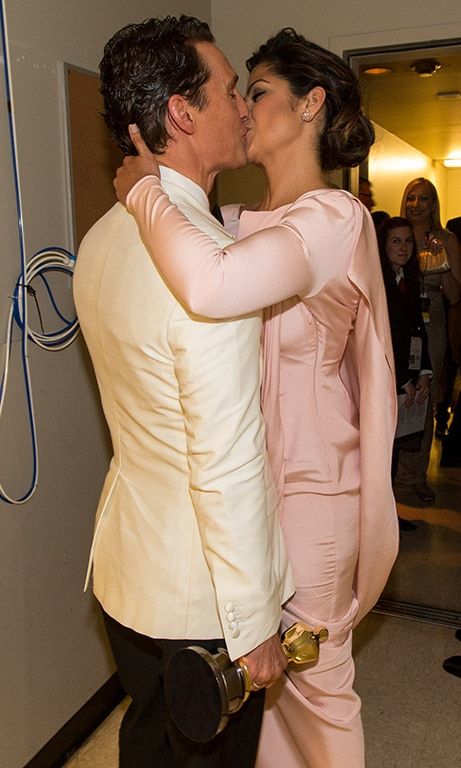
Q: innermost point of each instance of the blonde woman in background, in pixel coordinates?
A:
(440, 269)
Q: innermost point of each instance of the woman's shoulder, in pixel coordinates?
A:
(328, 198)
(329, 193)
(335, 209)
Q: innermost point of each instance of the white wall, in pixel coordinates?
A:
(453, 194)
(53, 658)
(240, 27)
(391, 165)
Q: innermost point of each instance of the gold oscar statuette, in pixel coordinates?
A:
(203, 689)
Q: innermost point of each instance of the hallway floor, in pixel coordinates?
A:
(411, 706)
(428, 568)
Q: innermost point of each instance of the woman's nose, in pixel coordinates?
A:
(248, 104)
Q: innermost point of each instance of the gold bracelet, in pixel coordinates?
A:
(242, 663)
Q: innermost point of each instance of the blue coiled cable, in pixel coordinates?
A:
(53, 259)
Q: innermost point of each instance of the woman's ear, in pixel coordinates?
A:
(180, 115)
(314, 100)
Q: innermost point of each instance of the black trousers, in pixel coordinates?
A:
(148, 738)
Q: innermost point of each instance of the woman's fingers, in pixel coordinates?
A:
(140, 145)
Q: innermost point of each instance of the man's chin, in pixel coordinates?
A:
(238, 162)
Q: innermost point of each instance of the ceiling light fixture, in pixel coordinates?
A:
(377, 71)
(452, 162)
(449, 95)
(426, 67)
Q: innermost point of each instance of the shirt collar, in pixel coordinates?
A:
(184, 184)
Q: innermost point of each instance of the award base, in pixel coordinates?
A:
(202, 690)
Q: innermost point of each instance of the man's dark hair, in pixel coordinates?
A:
(143, 65)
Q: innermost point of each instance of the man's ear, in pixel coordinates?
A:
(180, 114)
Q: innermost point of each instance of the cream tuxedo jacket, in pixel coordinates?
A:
(187, 542)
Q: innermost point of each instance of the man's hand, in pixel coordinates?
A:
(135, 167)
(266, 663)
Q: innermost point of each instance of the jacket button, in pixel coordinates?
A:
(229, 607)
(236, 633)
(230, 616)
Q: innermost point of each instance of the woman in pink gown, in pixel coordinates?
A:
(309, 254)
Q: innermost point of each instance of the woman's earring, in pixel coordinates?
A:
(307, 116)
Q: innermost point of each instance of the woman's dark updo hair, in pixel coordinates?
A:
(347, 135)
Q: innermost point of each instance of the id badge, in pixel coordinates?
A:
(416, 352)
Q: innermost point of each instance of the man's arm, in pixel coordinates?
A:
(217, 368)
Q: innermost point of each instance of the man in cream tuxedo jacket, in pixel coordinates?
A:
(187, 547)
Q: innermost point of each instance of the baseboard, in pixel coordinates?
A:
(418, 612)
(58, 750)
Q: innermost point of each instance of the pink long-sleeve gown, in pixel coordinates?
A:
(329, 405)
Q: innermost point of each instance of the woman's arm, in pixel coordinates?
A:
(296, 257)
(262, 269)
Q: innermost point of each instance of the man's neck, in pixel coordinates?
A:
(188, 165)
